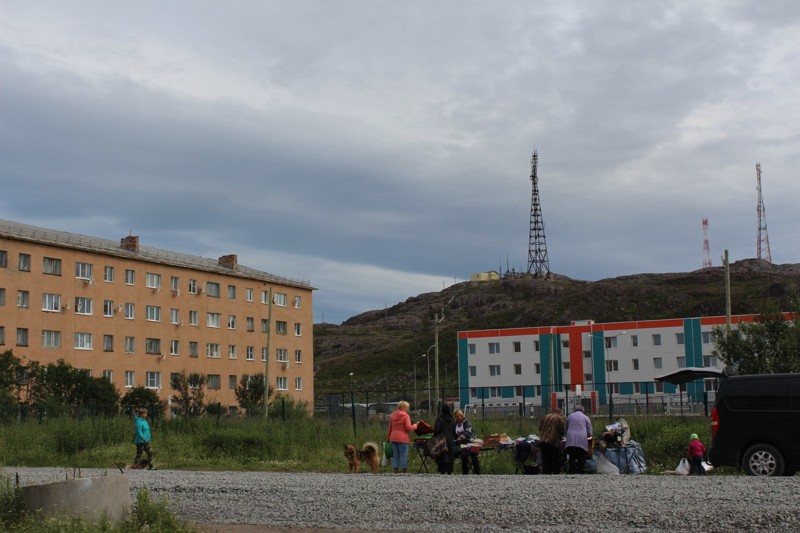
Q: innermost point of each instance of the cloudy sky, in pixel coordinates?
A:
(381, 149)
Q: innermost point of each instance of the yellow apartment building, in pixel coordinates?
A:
(136, 314)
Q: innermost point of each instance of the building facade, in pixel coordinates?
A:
(137, 315)
(589, 359)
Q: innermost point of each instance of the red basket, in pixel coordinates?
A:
(423, 428)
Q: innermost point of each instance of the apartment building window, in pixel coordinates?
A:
(681, 362)
(130, 344)
(251, 323)
(494, 370)
(214, 382)
(108, 308)
(51, 266)
(108, 343)
(108, 274)
(298, 329)
(298, 302)
(51, 302)
(212, 350)
(298, 383)
(152, 346)
(634, 340)
(250, 353)
(83, 270)
(659, 386)
(656, 339)
(679, 338)
(232, 381)
(587, 354)
(537, 368)
(298, 356)
(153, 313)
(281, 327)
(473, 371)
(635, 364)
(281, 383)
(231, 292)
(174, 316)
(3, 259)
(174, 284)
(263, 354)
(231, 321)
(153, 380)
(282, 355)
(129, 311)
(611, 342)
(614, 388)
(517, 369)
(264, 325)
(708, 337)
(51, 339)
(212, 320)
(23, 299)
(231, 351)
(24, 262)
(193, 349)
(612, 365)
(264, 297)
(494, 347)
(212, 289)
(152, 281)
(535, 346)
(108, 375)
(587, 378)
(494, 392)
(472, 349)
(248, 295)
(22, 336)
(174, 347)
(192, 318)
(2, 297)
(565, 365)
(83, 341)
(657, 363)
(192, 287)
(83, 306)
(517, 346)
(565, 344)
(709, 360)
(130, 379)
(280, 299)
(130, 277)
(2, 335)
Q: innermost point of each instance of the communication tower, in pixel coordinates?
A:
(762, 241)
(706, 247)
(538, 264)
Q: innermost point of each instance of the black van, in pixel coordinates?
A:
(755, 424)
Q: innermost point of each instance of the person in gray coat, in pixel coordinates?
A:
(579, 431)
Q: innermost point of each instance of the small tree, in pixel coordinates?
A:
(10, 369)
(59, 388)
(189, 395)
(142, 397)
(769, 345)
(250, 394)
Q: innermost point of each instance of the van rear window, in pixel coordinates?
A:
(762, 394)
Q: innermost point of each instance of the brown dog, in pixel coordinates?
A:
(369, 455)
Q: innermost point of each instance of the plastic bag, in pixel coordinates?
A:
(683, 467)
(384, 459)
(708, 467)
(604, 466)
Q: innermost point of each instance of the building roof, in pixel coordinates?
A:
(63, 239)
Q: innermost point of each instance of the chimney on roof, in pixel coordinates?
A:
(130, 243)
(229, 261)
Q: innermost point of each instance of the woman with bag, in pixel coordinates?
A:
(464, 435)
(445, 427)
(399, 427)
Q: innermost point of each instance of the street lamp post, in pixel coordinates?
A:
(352, 404)
(416, 405)
(428, 353)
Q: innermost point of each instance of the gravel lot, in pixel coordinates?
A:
(429, 502)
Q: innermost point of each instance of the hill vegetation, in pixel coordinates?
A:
(380, 347)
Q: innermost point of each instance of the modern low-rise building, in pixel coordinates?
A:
(137, 315)
(593, 360)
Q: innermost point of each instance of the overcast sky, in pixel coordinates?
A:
(381, 149)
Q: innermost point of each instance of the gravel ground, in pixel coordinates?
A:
(429, 502)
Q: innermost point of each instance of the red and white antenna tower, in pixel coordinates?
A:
(706, 247)
(762, 242)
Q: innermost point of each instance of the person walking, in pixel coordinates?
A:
(697, 454)
(464, 435)
(399, 427)
(551, 430)
(141, 437)
(579, 431)
(445, 425)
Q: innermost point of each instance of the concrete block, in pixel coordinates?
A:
(91, 497)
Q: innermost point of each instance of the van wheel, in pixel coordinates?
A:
(763, 460)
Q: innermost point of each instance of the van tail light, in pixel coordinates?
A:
(714, 422)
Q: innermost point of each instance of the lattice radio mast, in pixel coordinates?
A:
(538, 264)
(706, 247)
(762, 242)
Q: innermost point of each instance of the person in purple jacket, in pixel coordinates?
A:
(579, 431)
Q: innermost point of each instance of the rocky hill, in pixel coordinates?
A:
(380, 347)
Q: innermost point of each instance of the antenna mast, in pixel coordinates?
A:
(538, 264)
(762, 242)
(706, 247)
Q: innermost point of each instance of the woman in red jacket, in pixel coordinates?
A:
(399, 427)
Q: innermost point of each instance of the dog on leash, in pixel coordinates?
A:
(368, 454)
